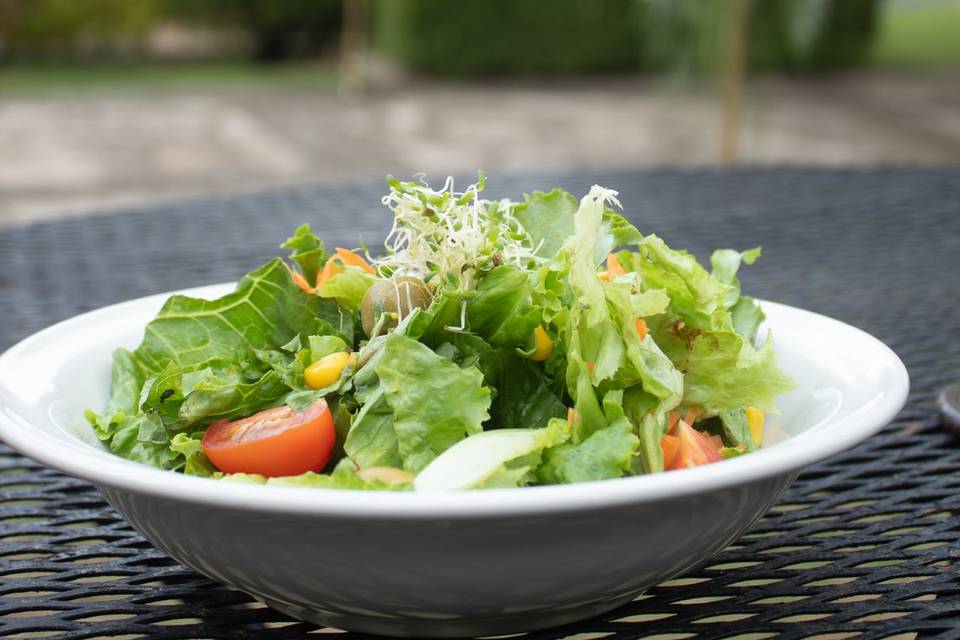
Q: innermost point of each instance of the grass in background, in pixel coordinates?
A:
(146, 77)
(919, 33)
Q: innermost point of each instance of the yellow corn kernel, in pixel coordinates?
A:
(755, 420)
(604, 275)
(544, 345)
(325, 371)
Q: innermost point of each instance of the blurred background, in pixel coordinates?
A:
(117, 102)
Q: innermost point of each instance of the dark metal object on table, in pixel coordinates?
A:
(864, 543)
(949, 404)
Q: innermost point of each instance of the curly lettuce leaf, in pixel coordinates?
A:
(655, 371)
(724, 372)
(548, 218)
(435, 403)
(501, 309)
(696, 297)
(594, 347)
(745, 313)
(195, 462)
(606, 453)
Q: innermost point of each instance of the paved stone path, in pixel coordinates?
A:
(66, 154)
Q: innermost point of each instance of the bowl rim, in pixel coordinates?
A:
(125, 475)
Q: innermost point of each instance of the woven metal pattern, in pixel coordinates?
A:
(864, 545)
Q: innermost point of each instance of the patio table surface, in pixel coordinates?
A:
(863, 545)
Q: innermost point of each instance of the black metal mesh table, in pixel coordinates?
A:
(863, 545)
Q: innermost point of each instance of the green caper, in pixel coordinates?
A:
(389, 299)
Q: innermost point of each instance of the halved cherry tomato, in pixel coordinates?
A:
(274, 442)
(670, 446)
(692, 448)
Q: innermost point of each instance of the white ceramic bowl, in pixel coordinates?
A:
(445, 564)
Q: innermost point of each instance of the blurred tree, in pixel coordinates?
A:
(67, 28)
(471, 37)
(282, 28)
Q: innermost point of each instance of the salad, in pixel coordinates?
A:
(493, 344)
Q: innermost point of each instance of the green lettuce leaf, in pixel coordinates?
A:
(547, 218)
(524, 401)
(195, 462)
(435, 403)
(747, 317)
(343, 476)
(645, 359)
(266, 311)
(144, 439)
(606, 453)
(501, 310)
(736, 429)
(347, 287)
(724, 372)
(745, 313)
(307, 250)
(698, 298)
(372, 439)
(594, 347)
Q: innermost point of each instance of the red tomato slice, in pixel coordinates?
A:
(692, 448)
(670, 446)
(274, 442)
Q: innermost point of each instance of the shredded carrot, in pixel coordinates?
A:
(590, 366)
(642, 328)
(691, 416)
(571, 415)
(348, 257)
(604, 275)
(329, 270)
(299, 280)
(614, 268)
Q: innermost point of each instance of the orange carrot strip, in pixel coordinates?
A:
(642, 328)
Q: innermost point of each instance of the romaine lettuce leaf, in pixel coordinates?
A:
(501, 309)
(523, 401)
(372, 440)
(266, 311)
(435, 403)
